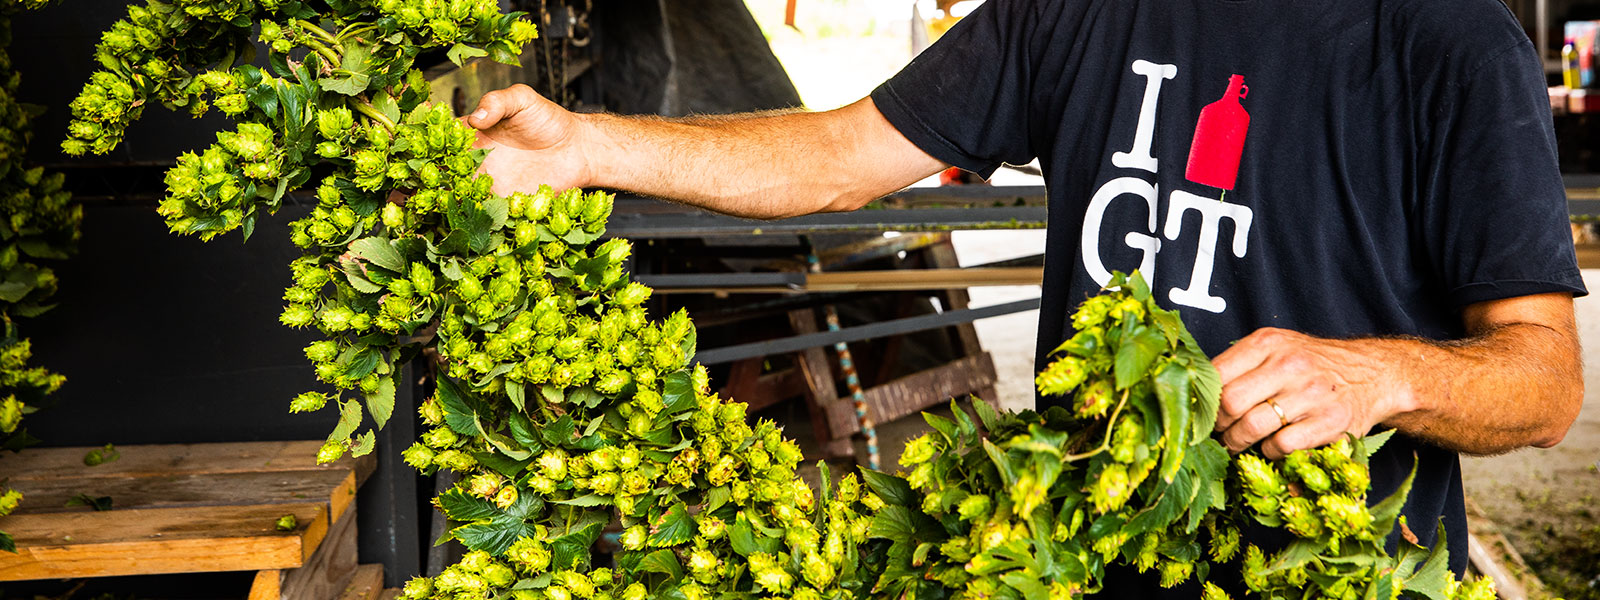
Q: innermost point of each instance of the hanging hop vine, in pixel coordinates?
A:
(563, 406)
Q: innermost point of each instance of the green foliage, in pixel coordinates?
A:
(563, 406)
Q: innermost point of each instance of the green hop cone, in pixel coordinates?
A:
(420, 457)
(1345, 516)
(1061, 376)
(1300, 517)
(1352, 478)
(1093, 400)
(308, 402)
(1315, 479)
(1111, 489)
(1210, 591)
(418, 588)
(919, 450)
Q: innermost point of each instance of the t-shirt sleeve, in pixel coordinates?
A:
(1494, 210)
(965, 99)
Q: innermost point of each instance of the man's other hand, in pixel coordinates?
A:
(534, 141)
(1322, 389)
(1516, 381)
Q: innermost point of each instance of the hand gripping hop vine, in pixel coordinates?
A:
(564, 407)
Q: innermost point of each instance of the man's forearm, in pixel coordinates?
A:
(1516, 385)
(766, 166)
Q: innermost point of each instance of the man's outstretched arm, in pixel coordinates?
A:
(765, 165)
(1516, 381)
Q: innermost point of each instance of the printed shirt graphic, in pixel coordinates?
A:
(1353, 168)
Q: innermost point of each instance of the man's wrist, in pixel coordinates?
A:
(589, 144)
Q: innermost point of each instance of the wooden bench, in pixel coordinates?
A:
(192, 508)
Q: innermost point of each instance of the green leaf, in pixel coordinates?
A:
(517, 394)
(1139, 348)
(494, 536)
(1298, 554)
(586, 501)
(1028, 584)
(98, 503)
(1384, 513)
(1172, 391)
(1431, 579)
(944, 426)
(100, 456)
(502, 464)
(458, 413)
(678, 392)
(747, 541)
(662, 561)
(381, 402)
(364, 443)
(1206, 385)
(7, 544)
(377, 250)
(893, 490)
(350, 84)
(349, 420)
(559, 432)
(672, 528)
(524, 432)
(459, 53)
(1374, 442)
(986, 414)
(892, 523)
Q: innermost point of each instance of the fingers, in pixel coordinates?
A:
(1260, 422)
(500, 105)
(1309, 433)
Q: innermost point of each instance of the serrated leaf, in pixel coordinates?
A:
(1172, 391)
(1206, 387)
(1298, 554)
(672, 528)
(560, 431)
(380, 404)
(1431, 579)
(1139, 348)
(893, 490)
(458, 414)
(493, 536)
(349, 420)
(7, 544)
(678, 392)
(524, 432)
(944, 426)
(1375, 442)
(377, 250)
(664, 562)
(364, 443)
(892, 523)
(586, 501)
(502, 464)
(1386, 512)
(987, 415)
(746, 540)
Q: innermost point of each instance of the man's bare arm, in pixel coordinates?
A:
(1517, 381)
(767, 165)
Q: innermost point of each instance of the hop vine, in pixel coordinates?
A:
(564, 406)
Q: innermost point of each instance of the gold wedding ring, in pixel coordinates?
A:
(1278, 409)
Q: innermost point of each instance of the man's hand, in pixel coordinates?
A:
(762, 166)
(1323, 388)
(1516, 382)
(534, 141)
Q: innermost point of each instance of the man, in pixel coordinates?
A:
(1372, 208)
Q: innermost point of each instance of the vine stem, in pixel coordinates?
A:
(325, 52)
(1111, 425)
(366, 108)
(313, 29)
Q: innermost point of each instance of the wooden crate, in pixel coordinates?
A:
(189, 508)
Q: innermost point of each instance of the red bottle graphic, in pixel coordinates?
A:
(1219, 138)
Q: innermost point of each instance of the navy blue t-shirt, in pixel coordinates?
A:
(1349, 168)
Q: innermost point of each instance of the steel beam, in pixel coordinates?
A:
(862, 332)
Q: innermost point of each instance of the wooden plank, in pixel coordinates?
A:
(822, 394)
(267, 585)
(167, 460)
(328, 571)
(912, 393)
(1491, 554)
(160, 540)
(389, 594)
(366, 584)
(207, 489)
